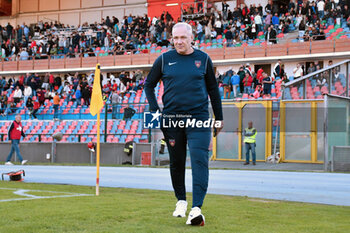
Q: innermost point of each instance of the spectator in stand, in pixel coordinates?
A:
(45, 84)
(17, 96)
(41, 96)
(258, 22)
(235, 83)
(247, 82)
(320, 8)
(302, 29)
(258, 92)
(78, 95)
(57, 83)
(268, 21)
(271, 35)
(311, 68)
(115, 100)
(277, 69)
(275, 21)
(285, 78)
(30, 106)
(298, 71)
(282, 70)
(226, 82)
(51, 82)
(3, 100)
(259, 75)
(241, 74)
(56, 105)
(122, 89)
(36, 106)
(85, 93)
(67, 92)
(2, 84)
(267, 82)
(24, 55)
(27, 93)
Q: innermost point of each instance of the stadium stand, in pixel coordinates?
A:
(123, 43)
(79, 131)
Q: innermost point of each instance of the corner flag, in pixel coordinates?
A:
(95, 108)
(96, 97)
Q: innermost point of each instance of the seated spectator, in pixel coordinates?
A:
(258, 92)
(306, 36)
(3, 98)
(30, 106)
(320, 36)
(10, 107)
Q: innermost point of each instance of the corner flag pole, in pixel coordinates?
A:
(98, 156)
(95, 108)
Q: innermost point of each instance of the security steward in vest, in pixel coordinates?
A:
(249, 141)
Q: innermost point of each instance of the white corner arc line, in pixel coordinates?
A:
(22, 192)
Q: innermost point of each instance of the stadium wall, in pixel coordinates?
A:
(72, 12)
(111, 153)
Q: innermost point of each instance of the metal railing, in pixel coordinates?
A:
(333, 79)
(74, 137)
(65, 113)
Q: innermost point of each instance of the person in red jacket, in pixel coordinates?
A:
(35, 109)
(247, 82)
(14, 134)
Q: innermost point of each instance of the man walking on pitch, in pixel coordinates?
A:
(14, 134)
(188, 77)
(249, 141)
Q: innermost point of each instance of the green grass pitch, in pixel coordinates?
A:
(134, 210)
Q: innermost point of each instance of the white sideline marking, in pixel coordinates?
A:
(23, 192)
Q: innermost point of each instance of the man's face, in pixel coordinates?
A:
(250, 125)
(18, 118)
(182, 40)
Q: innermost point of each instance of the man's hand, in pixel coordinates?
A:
(218, 127)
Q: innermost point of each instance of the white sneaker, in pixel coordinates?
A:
(8, 163)
(181, 208)
(195, 217)
(24, 162)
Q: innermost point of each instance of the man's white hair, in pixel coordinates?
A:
(185, 25)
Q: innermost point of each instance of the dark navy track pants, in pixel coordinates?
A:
(198, 140)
